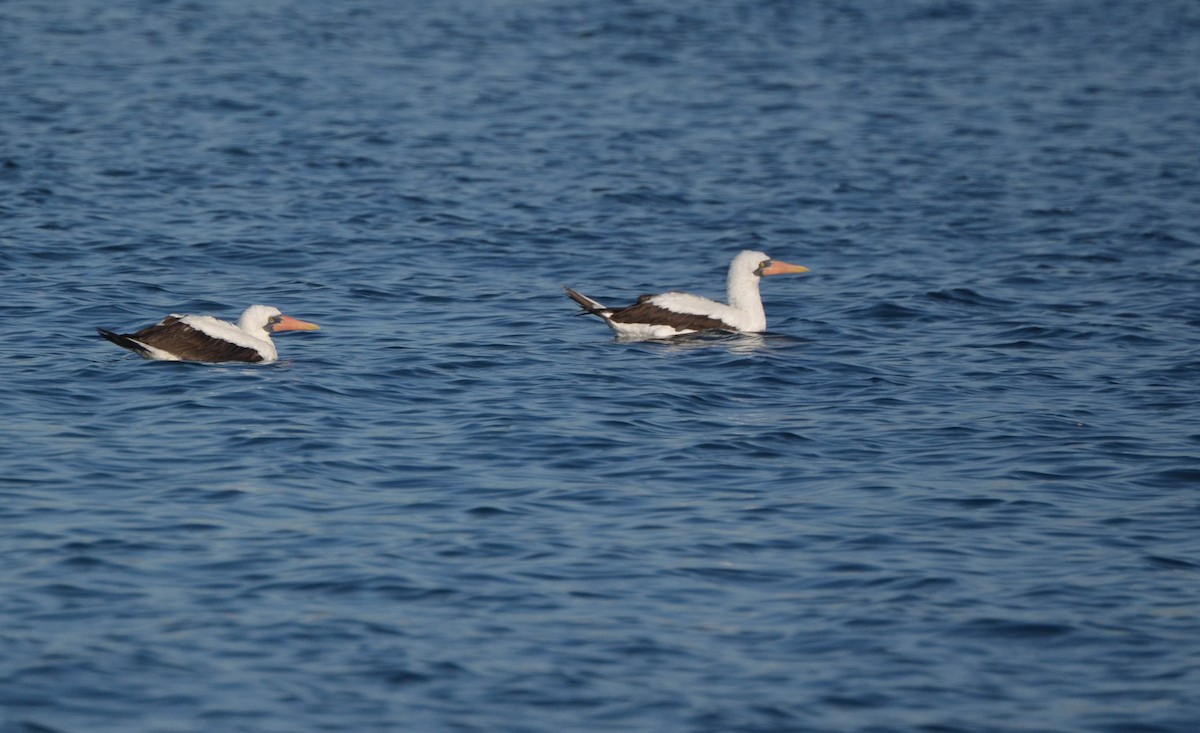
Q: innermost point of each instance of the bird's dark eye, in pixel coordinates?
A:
(764, 264)
(275, 319)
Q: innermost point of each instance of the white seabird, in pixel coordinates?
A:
(672, 314)
(204, 338)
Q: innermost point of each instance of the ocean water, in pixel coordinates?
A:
(954, 488)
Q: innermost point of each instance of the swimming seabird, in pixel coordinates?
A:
(204, 338)
(671, 314)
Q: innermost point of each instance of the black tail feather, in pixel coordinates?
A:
(123, 341)
(588, 305)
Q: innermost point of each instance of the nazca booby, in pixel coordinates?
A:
(204, 338)
(671, 314)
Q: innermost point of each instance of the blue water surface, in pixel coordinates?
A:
(955, 487)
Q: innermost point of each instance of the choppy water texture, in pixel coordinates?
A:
(954, 488)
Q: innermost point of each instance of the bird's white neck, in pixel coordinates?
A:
(744, 296)
(253, 328)
(254, 322)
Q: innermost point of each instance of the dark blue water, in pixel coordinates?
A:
(956, 487)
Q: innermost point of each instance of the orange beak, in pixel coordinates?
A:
(287, 323)
(783, 268)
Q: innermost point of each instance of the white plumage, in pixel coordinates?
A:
(204, 338)
(674, 314)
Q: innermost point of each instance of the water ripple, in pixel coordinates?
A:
(950, 489)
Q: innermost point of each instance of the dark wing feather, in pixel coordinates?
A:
(176, 337)
(644, 311)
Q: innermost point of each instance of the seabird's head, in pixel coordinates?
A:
(268, 319)
(758, 263)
